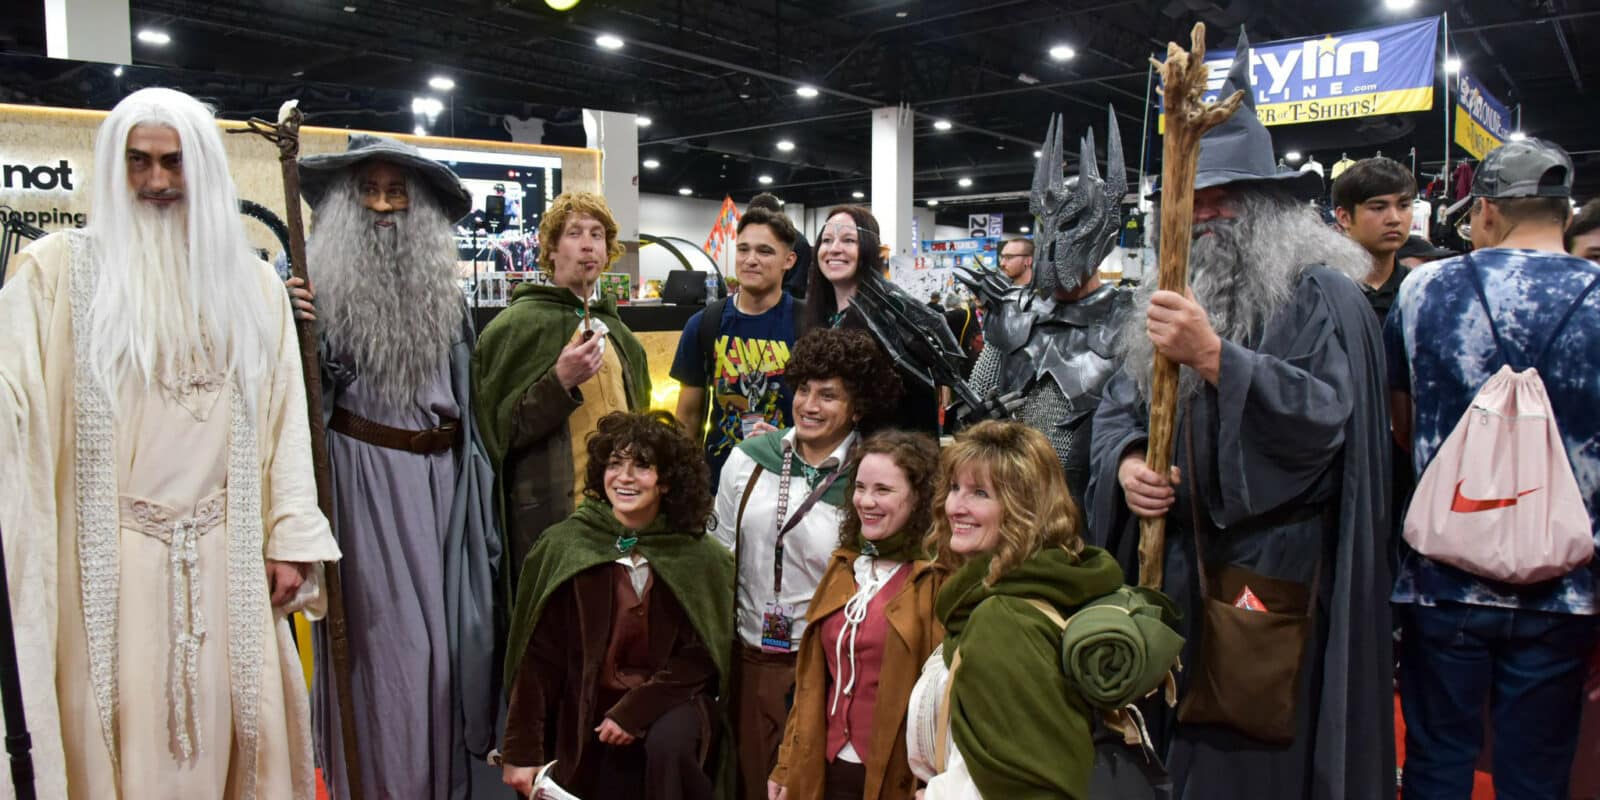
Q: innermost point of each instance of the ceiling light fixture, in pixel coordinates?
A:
(1062, 52)
(1517, 136)
(902, 14)
(932, 203)
(651, 163)
(1023, 77)
(154, 37)
(299, 73)
(807, 91)
(964, 182)
(643, 121)
(441, 83)
(942, 125)
(764, 180)
(858, 194)
(420, 131)
(427, 106)
(1293, 156)
(117, 72)
(1023, 229)
(561, 5)
(784, 145)
(349, 9)
(608, 41)
(1452, 65)
(1038, 154)
(685, 191)
(1399, 5)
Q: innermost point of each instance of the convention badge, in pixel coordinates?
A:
(747, 423)
(776, 623)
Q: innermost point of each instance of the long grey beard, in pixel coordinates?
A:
(1242, 274)
(389, 300)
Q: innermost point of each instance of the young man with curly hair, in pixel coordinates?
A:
(618, 645)
(779, 504)
(550, 366)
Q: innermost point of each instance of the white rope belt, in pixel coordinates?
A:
(182, 535)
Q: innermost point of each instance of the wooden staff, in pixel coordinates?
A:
(1183, 81)
(286, 135)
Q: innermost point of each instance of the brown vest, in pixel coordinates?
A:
(627, 663)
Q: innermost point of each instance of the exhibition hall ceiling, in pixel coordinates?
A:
(724, 84)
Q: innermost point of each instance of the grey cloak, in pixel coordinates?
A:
(419, 596)
(1291, 469)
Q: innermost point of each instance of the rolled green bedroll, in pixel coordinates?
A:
(1120, 647)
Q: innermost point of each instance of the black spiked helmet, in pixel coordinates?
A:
(1078, 218)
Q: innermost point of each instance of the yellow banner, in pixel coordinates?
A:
(1325, 109)
(1473, 137)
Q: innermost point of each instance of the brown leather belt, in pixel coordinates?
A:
(432, 440)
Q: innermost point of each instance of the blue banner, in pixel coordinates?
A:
(1482, 122)
(1365, 73)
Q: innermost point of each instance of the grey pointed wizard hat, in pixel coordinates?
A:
(1240, 149)
(317, 173)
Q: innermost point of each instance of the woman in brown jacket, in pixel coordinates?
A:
(870, 627)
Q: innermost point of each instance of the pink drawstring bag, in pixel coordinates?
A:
(1499, 499)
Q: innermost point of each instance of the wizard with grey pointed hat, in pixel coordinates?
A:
(1277, 504)
(1052, 340)
(413, 502)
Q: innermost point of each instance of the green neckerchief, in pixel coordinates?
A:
(521, 345)
(1020, 727)
(767, 450)
(697, 570)
(902, 545)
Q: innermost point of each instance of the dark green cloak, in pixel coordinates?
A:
(1021, 728)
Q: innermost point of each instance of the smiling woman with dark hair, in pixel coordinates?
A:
(619, 636)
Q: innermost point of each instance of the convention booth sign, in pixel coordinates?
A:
(1482, 122)
(1388, 70)
(47, 164)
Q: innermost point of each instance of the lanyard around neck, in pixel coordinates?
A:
(805, 507)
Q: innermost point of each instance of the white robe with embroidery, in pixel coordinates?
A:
(94, 491)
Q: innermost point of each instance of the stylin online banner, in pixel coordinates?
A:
(1365, 73)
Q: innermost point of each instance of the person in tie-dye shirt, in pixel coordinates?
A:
(1468, 641)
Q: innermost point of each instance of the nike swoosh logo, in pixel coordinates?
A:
(1466, 505)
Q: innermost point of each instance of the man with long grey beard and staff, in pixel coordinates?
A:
(1277, 504)
(412, 487)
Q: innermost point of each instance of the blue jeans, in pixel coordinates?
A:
(1527, 666)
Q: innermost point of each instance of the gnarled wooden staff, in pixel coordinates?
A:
(285, 133)
(1183, 82)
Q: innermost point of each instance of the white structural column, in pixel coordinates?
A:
(616, 136)
(892, 134)
(88, 30)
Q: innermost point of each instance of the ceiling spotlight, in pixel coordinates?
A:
(858, 194)
(685, 191)
(1293, 156)
(942, 125)
(117, 72)
(1517, 136)
(349, 9)
(561, 5)
(299, 73)
(806, 91)
(158, 38)
(1062, 52)
(1399, 5)
(1452, 65)
(964, 182)
(1023, 229)
(764, 180)
(1038, 154)
(427, 106)
(785, 145)
(643, 121)
(608, 41)
(651, 163)
(902, 14)
(420, 131)
(441, 83)
(932, 203)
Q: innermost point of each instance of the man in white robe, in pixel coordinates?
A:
(156, 493)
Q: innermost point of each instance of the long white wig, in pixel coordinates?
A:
(150, 320)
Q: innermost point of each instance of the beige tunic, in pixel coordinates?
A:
(136, 548)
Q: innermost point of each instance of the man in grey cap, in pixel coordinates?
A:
(1278, 504)
(1517, 299)
(413, 501)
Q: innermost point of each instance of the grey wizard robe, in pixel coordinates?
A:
(1291, 466)
(419, 586)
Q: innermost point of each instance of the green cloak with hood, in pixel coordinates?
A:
(1022, 730)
